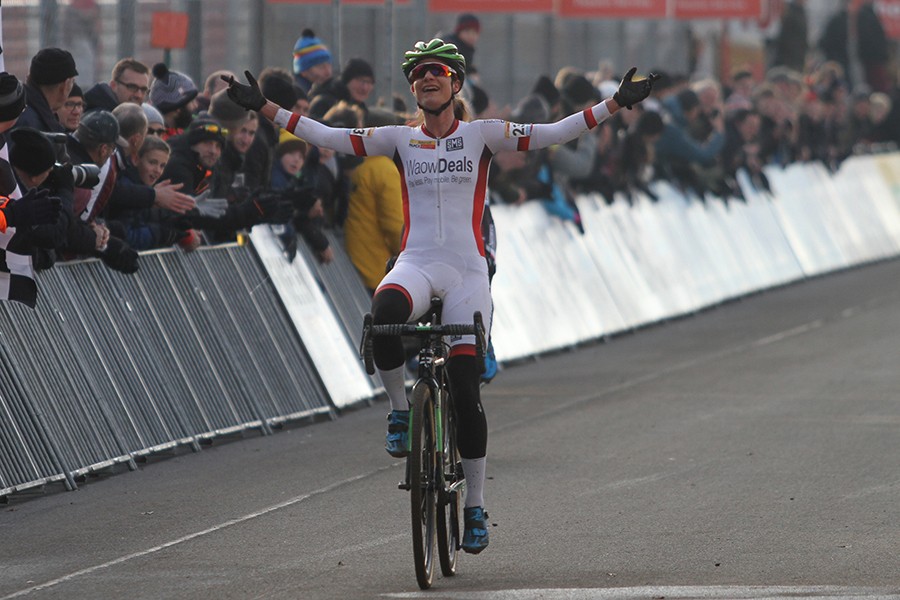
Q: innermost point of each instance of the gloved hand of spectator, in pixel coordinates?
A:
(273, 208)
(248, 96)
(631, 91)
(36, 207)
(211, 207)
(120, 256)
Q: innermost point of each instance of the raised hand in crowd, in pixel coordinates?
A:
(168, 197)
(102, 234)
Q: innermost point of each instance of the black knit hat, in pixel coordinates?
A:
(12, 97)
(578, 90)
(170, 89)
(31, 151)
(357, 67)
(280, 91)
(544, 87)
(76, 92)
(205, 129)
(51, 66)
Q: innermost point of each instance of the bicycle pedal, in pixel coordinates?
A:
(403, 486)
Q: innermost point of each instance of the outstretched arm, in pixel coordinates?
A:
(542, 135)
(348, 141)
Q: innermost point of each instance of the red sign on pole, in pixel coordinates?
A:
(718, 9)
(169, 30)
(647, 9)
(483, 6)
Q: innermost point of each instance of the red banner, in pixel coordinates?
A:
(369, 2)
(485, 6)
(648, 9)
(169, 30)
(718, 9)
(889, 14)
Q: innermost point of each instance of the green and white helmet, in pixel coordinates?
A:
(435, 49)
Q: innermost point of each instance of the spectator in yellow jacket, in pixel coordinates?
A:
(374, 222)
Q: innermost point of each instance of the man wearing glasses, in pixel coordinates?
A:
(130, 82)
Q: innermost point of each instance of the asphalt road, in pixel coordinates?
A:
(749, 451)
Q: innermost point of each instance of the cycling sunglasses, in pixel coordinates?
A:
(436, 70)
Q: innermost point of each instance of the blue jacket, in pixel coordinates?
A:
(675, 143)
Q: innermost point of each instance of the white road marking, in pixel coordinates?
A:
(736, 592)
(195, 535)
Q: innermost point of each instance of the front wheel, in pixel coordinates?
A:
(423, 492)
(452, 486)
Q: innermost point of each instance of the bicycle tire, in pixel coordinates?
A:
(448, 532)
(422, 491)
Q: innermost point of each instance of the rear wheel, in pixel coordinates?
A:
(448, 532)
(422, 492)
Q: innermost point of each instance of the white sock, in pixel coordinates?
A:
(395, 385)
(473, 469)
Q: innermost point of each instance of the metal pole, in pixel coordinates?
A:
(49, 32)
(125, 43)
(389, 58)
(194, 64)
(337, 58)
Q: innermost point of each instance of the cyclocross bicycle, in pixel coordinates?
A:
(434, 476)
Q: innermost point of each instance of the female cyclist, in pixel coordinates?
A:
(443, 163)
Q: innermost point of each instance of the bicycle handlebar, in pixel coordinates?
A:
(422, 331)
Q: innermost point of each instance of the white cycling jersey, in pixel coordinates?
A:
(444, 184)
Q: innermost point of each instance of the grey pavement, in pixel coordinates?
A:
(748, 451)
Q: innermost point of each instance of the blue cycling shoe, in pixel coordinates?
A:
(475, 538)
(397, 440)
(490, 364)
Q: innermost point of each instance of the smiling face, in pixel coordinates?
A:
(151, 166)
(242, 137)
(432, 85)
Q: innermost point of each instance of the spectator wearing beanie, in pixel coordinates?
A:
(174, 95)
(546, 89)
(195, 154)
(72, 110)
(32, 157)
(359, 79)
(12, 101)
(156, 125)
(312, 61)
(50, 79)
(465, 35)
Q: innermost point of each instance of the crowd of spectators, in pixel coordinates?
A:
(149, 160)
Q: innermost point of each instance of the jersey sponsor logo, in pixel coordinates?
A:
(454, 144)
(423, 144)
(362, 132)
(517, 130)
(423, 167)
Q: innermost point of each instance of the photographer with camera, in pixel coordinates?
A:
(91, 149)
(33, 159)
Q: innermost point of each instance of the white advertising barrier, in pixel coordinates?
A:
(639, 264)
(336, 360)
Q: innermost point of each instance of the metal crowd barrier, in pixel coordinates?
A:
(195, 346)
(113, 367)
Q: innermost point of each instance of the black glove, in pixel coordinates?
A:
(120, 256)
(631, 91)
(248, 96)
(61, 178)
(36, 207)
(273, 208)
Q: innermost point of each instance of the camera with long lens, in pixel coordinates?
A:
(86, 175)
